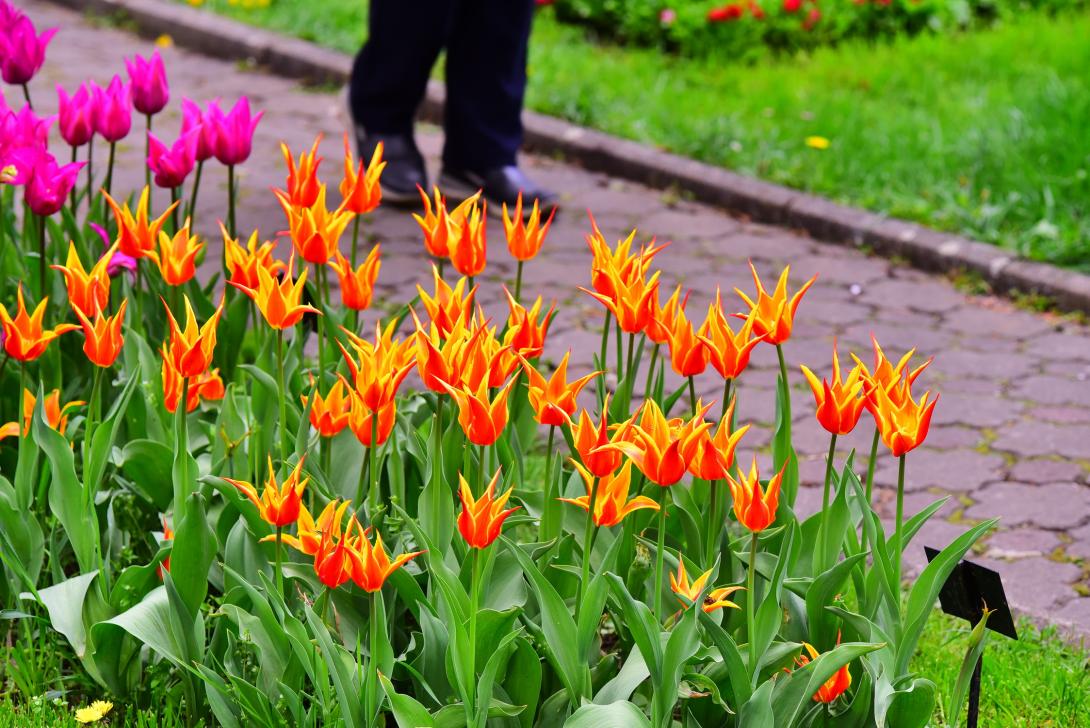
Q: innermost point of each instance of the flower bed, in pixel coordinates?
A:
(746, 29)
(252, 506)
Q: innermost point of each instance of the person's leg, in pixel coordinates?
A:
(390, 73)
(486, 81)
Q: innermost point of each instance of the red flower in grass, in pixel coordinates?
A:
(725, 13)
(791, 6)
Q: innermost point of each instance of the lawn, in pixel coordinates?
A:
(981, 133)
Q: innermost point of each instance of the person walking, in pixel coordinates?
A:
(486, 47)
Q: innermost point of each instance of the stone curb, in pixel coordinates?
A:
(923, 247)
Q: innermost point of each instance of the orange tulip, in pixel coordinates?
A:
(469, 247)
(902, 421)
(303, 185)
(177, 256)
(688, 593)
(88, 291)
(243, 263)
(378, 368)
(689, 355)
(56, 416)
(662, 319)
(310, 532)
(24, 337)
(632, 303)
(711, 456)
(448, 305)
(360, 188)
(279, 300)
(611, 503)
(438, 360)
(656, 443)
(553, 401)
(617, 264)
(525, 237)
(482, 420)
(333, 556)
(487, 359)
(360, 418)
(728, 352)
(755, 509)
(886, 375)
(329, 414)
(774, 314)
(371, 565)
(191, 350)
(357, 285)
(137, 234)
(526, 328)
(482, 518)
(279, 504)
(206, 386)
(839, 403)
(835, 686)
(315, 230)
(103, 340)
(590, 439)
(440, 226)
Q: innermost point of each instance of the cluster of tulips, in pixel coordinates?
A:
(628, 572)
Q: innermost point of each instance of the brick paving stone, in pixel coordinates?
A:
(960, 471)
(1028, 438)
(1057, 505)
(1017, 543)
(1011, 378)
(1076, 613)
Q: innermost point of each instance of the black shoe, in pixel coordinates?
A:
(498, 186)
(404, 170)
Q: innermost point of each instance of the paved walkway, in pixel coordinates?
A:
(1011, 434)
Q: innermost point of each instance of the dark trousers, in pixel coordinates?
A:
(486, 43)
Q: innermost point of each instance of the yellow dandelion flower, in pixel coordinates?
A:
(95, 712)
(164, 41)
(196, 3)
(817, 142)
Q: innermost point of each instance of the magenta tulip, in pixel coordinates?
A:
(78, 115)
(114, 119)
(171, 165)
(195, 119)
(49, 184)
(150, 91)
(119, 262)
(234, 132)
(22, 50)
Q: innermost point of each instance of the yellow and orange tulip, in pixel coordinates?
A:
(302, 183)
(279, 504)
(688, 592)
(449, 306)
(357, 285)
(483, 420)
(25, 339)
(774, 314)
(835, 686)
(371, 565)
(611, 503)
(102, 337)
(88, 291)
(177, 256)
(137, 233)
(190, 350)
(360, 189)
(590, 439)
(840, 402)
(315, 230)
(243, 263)
(482, 518)
(554, 400)
(728, 351)
(525, 236)
(711, 456)
(755, 507)
(902, 420)
(329, 414)
(279, 300)
(56, 416)
(468, 244)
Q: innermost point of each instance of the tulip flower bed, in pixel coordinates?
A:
(224, 491)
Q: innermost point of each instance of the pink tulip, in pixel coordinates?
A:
(114, 119)
(150, 91)
(195, 119)
(49, 184)
(8, 15)
(234, 132)
(22, 50)
(78, 115)
(171, 165)
(23, 137)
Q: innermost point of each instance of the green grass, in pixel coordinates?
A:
(982, 133)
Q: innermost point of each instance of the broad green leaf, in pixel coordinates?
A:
(558, 626)
(795, 691)
(622, 714)
(735, 664)
(344, 678)
(407, 711)
(64, 604)
(192, 552)
(147, 464)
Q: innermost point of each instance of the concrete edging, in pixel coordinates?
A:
(923, 247)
